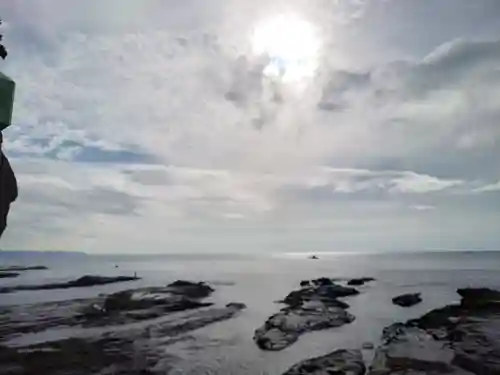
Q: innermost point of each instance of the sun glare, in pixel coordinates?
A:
(290, 43)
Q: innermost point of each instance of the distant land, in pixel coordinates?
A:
(23, 254)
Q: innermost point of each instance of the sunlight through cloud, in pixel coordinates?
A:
(290, 43)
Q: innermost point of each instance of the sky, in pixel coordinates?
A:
(254, 126)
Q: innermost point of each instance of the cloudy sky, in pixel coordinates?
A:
(248, 126)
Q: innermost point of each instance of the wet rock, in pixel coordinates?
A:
(8, 275)
(339, 362)
(236, 305)
(190, 289)
(305, 283)
(479, 296)
(322, 281)
(284, 328)
(313, 307)
(360, 281)
(167, 299)
(407, 300)
(138, 349)
(323, 292)
(119, 346)
(457, 339)
(119, 308)
(84, 281)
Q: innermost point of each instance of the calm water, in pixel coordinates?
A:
(227, 347)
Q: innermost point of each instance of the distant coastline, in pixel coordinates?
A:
(16, 254)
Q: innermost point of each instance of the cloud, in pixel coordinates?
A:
(138, 120)
(488, 188)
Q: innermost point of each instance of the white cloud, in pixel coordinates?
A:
(186, 132)
(488, 188)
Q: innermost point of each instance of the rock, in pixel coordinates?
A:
(236, 305)
(456, 339)
(322, 281)
(313, 257)
(90, 280)
(336, 291)
(6, 275)
(476, 297)
(368, 345)
(407, 300)
(322, 291)
(162, 298)
(285, 327)
(141, 349)
(22, 268)
(190, 289)
(311, 308)
(339, 362)
(305, 283)
(93, 311)
(360, 281)
(83, 281)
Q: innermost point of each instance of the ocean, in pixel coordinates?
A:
(261, 280)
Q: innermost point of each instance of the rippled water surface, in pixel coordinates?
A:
(227, 347)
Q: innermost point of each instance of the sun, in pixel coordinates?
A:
(291, 44)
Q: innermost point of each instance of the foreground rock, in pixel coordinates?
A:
(339, 362)
(284, 328)
(112, 345)
(460, 339)
(407, 300)
(22, 268)
(83, 281)
(313, 307)
(7, 275)
(178, 296)
(106, 311)
(139, 350)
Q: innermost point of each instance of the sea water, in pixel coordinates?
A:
(261, 280)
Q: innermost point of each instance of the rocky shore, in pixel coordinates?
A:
(84, 281)
(313, 307)
(107, 339)
(461, 339)
(129, 332)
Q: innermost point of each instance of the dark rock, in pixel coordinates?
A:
(163, 298)
(336, 291)
(190, 289)
(314, 307)
(407, 300)
(339, 362)
(90, 280)
(326, 293)
(456, 339)
(236, 305)
(138, 349)
(313, 257)
(322, 281)
(360, 281)
(479, 297)
(7, 275)
(21, 268)
(119, 346)
(305, 283)
(284, 328)
(84, 281)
